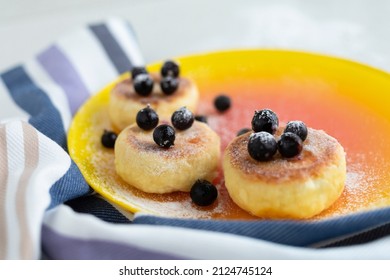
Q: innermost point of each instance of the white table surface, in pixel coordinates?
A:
(356, 29)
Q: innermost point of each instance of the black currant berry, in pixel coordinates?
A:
(164, 135)
(289, 145)
(138, 70)
(201, 118)
(222, 103)
(170, 68)
(147, 118)
(243, 131)
(262, 146)
(108, 139)
(169, 85)
(182, 118)
(143, 84)
(265, 120)
(297, 127)
(203, 193)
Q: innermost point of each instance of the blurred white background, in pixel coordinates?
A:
(356, 29)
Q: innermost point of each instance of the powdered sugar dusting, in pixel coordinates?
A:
(356, 178)
(264, 137)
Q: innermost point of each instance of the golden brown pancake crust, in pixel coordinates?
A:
(319, 150)
(188, 142)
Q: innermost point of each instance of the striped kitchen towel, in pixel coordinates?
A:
(48, 211)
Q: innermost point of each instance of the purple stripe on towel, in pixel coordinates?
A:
(61, 247)
(58, 66)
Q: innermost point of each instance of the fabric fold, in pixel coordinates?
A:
(30, 164)
(72, 69)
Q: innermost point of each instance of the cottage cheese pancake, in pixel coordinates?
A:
(298, 187)
(143, 164)
(125, 102)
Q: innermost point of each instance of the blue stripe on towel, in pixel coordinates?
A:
(44, 116)
(112, 48)
(295, 233)
(70, 186)
(98, 207)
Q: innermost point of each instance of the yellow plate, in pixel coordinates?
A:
(346, 99)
